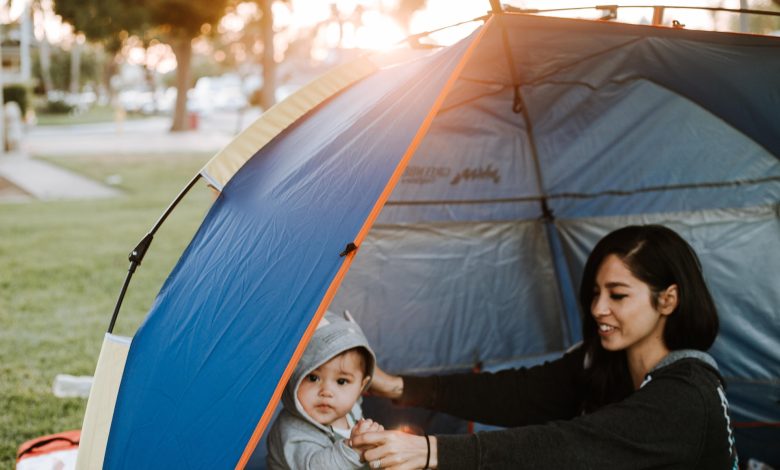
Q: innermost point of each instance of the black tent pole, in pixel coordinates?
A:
(569, 314)
(138, 253)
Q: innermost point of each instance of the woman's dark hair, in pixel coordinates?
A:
(659, 257)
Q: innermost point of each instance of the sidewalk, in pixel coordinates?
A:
(47, 182)
(150, 136)
(31, 178)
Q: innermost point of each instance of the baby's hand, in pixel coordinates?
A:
(363, 426)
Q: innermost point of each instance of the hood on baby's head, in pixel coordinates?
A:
(334, 335)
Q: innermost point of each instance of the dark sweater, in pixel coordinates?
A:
(677, 419)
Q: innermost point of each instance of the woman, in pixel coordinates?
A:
(639, 392)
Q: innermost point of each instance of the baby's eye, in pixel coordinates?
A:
(342, 381)
(312, 378)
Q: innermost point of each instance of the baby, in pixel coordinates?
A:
(321, 410)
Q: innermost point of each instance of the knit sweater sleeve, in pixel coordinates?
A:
(513, 397)
(662, 425)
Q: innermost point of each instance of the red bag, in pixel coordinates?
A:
(48, 452)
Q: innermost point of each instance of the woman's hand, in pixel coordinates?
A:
(386, 385)
(397, 450)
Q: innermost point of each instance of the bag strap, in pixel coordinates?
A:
(43, 442)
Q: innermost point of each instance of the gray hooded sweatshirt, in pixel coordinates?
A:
(295, 440)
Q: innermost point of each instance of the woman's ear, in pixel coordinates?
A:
(668, 300)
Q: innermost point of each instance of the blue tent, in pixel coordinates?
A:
(463, 189)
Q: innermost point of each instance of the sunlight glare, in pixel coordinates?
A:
(377, 32)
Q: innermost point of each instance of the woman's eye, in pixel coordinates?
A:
(617, 296)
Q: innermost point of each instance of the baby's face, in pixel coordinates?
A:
(328, 393)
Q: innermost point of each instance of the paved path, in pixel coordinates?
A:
(131, 137)
(33, 178)
(48, 182)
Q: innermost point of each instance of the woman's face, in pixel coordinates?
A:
(625, 316)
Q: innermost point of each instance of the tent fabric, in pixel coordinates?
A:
(227, 343)
(502, 159)
(230, 159)
(225, 163)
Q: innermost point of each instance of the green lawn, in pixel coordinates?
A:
(93, 115)
(61, 267)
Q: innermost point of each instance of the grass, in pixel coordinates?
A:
(63, 264)
(94, 114)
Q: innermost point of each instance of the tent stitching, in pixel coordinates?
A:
(614, 192)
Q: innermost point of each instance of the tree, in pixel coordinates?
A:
(44, 51)
(269, 63)
(406, 9)
(105, 22)
(174, 22)
(178, 23)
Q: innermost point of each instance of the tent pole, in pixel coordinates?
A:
(138, 253)
(570, 319)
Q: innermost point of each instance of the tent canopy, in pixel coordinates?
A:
(473, 182)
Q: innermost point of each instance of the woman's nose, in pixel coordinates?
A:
(599, 307)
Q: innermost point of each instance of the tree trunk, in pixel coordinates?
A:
(44, 54)
(267, 93)
(110, 69)
(75, 67)
(149, 76)
(45, 57)
(182, 49)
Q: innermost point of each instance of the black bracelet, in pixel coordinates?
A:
(428, 456)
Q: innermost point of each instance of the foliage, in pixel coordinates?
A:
(18, 93)
(175, 22)
(183, 17)
(91, 67)
(95, 114)
(57, 107)
(764, 24)
(103, 20)
(63, 264)
(202, 66)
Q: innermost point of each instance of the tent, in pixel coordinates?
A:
(449, 202)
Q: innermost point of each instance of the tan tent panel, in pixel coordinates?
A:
(102, 398)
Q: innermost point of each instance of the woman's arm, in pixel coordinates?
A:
(385, 385)
(661, 426)
(515, 397)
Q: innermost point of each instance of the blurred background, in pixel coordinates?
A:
(87, 61)
(111, 107)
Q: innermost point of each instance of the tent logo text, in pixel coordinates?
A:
(425, 174)
(478, 173)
